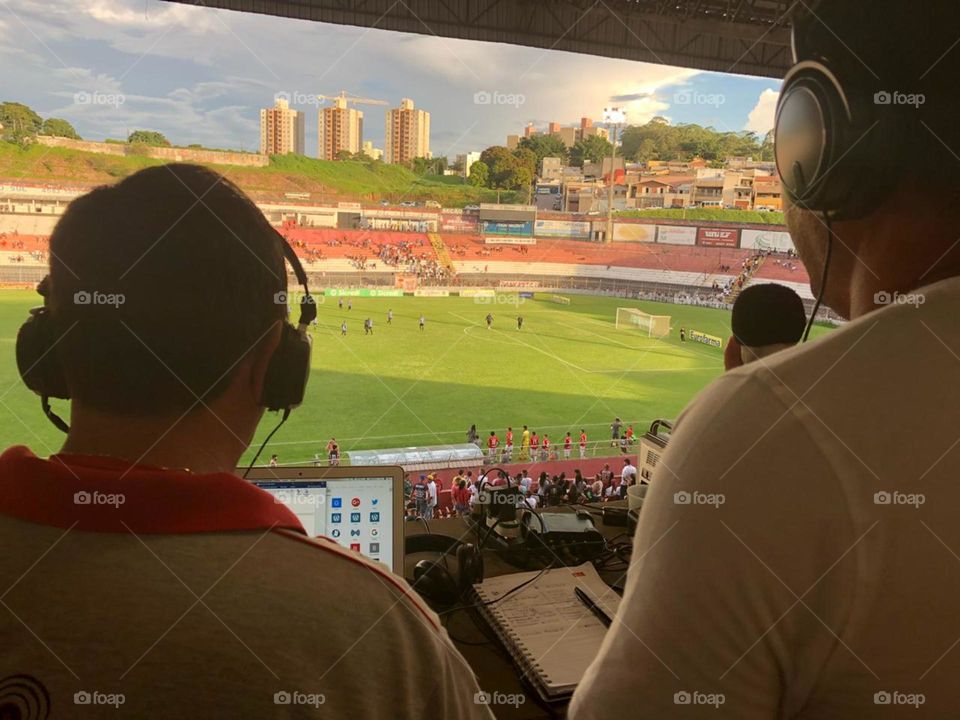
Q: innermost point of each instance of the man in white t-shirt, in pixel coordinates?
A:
(797, 554)
(431, 496)
(628, 476)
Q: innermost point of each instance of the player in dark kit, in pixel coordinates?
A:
(489, 320)
(519, 322)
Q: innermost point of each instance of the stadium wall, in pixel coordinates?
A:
(170, 154)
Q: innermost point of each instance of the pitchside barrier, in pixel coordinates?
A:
(700, 337)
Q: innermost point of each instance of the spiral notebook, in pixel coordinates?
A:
(551, 634)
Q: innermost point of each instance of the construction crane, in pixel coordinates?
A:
(342, 99)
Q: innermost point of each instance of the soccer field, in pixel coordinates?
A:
(568, 368)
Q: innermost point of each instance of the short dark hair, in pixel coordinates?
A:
(198, 268)
(768, 314)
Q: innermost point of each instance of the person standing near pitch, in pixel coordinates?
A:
(423, 321)
(390, 317)
(519, 322)
(489, 321)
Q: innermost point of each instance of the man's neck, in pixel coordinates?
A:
(197, 442)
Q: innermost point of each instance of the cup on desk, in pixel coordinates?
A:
(635, 496)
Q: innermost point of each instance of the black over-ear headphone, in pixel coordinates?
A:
(283, 387)
(836, 139)
(432, 579)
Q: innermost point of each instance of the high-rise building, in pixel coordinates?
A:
(465, 160)
(585, 123)
(408, 133)
(529, 130)
(554, 128)
(281, 129)
(339, 128)
(371, 152)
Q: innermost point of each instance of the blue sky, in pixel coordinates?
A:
(200, 76)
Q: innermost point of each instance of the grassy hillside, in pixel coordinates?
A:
(323, 179)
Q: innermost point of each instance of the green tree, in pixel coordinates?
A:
(591, 149)
(148, 137)
(479, 174)
(544, 146)
(19, 121)
(58, 128)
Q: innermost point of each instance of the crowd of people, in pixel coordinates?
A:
(424, 495)
(540, 448)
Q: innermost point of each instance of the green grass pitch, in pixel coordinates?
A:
(569, 367)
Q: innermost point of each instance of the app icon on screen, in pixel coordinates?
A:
(355, 502)
(335, 517)
(335, 533)
(374, 517)
(355, 546)
(354, 517)
(375, 547)
(336, 502)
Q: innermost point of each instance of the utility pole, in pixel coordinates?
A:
(613, 117)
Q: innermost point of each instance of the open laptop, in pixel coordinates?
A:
(361, 508)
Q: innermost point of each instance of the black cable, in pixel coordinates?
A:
(286, 414)
(823, 278)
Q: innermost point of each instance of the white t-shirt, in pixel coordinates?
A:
(799, 540)
(532, 501)
(626, 472)
(432, 493)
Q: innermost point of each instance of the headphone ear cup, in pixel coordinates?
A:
(434, 582)
(37, 360)
(289, 369)
(469, 567)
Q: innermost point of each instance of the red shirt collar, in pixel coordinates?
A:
(101, 494)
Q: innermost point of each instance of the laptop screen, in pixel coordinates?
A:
(356, 512)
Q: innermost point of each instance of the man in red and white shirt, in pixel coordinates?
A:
(545, 448)
(508, 445)
(583, 443)
(567, 446)
(534, 446)
(492, 443)
(138, 570)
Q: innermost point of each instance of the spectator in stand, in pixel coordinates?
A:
(524, 480)
(531, 500)
(597, 487)
(544, 489)
(431, 495)
(461, 497)
(628, 476)
(421, 497)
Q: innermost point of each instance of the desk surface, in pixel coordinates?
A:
(495, 672)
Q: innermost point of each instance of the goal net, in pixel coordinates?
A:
(657, 326)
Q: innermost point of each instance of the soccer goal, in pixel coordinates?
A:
(651, 325)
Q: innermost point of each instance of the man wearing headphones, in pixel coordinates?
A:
(136, 564)
(797, 554)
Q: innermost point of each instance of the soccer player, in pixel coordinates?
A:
(629, 434)
(273, 461)
(508, 445)
(567, 446)
(545, 448)
(390, 317)
(340, 303)
(525, 443)
(368, 326)
(583, 443)
(683, 335)
(492, 443)
(423, 321)
(615, 432)
(519, 322)
(489, 321)
(534, 445)
(349, 304)
(333, 452)
(343, 328)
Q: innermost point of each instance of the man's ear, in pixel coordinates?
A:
(731, 354)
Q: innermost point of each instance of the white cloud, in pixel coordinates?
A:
(760, 119)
